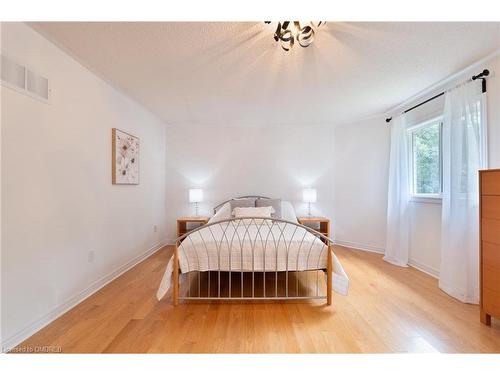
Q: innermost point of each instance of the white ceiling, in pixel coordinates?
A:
(234, 74)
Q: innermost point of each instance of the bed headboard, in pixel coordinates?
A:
(242, 197)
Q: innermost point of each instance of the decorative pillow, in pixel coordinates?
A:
(246, 202)
(239, 212)
(274, 203)
(287, 211)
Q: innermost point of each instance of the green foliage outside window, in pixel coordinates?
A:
(427, 160)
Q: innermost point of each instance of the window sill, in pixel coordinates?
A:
(428, 200)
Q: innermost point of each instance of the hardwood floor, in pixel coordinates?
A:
(389, 309)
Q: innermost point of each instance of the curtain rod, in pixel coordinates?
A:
(482, 76)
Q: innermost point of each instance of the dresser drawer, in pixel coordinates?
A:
(490, 183)
(491, 255)
(490, 206)
(491, 278)
(491, 301)
(490, 266)
(490, 231)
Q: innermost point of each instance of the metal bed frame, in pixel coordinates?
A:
(269, 242)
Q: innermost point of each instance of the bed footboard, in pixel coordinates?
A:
(253, 259)
(175, 275)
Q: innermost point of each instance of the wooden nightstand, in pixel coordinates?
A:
(182, 223)
(321, 224)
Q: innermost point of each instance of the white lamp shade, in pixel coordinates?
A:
(309, 195)
(195, 195)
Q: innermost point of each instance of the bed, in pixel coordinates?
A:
(253, 258)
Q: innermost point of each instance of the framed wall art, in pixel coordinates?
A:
(125, 158)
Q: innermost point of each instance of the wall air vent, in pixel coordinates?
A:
(37, 85)
(23, 79)
(13, 73)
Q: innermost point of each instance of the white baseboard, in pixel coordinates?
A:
(374, 249)
(423, 268)
(37, 325)
(360, 246)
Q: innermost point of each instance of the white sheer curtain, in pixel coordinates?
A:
(464, 153)
(398, 217)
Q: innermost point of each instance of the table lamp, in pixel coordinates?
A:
(195, 196)
(309, 196)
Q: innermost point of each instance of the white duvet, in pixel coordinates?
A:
(265, 245)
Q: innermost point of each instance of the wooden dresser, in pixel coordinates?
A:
(489, 211)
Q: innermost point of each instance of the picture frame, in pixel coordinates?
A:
(125, 158)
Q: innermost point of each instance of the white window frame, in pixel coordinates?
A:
(419, 197)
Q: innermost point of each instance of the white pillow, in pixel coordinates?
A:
(253, 211)
(287, 212)
(222, 214)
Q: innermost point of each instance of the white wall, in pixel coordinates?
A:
(494, 113)
(231, 161)
(347, 165)
(57, 198)
(361, 159)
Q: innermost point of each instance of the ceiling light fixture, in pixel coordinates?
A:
(287, 32)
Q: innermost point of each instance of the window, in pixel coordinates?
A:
(426, 159)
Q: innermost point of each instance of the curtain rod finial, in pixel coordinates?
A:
(484, 73)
